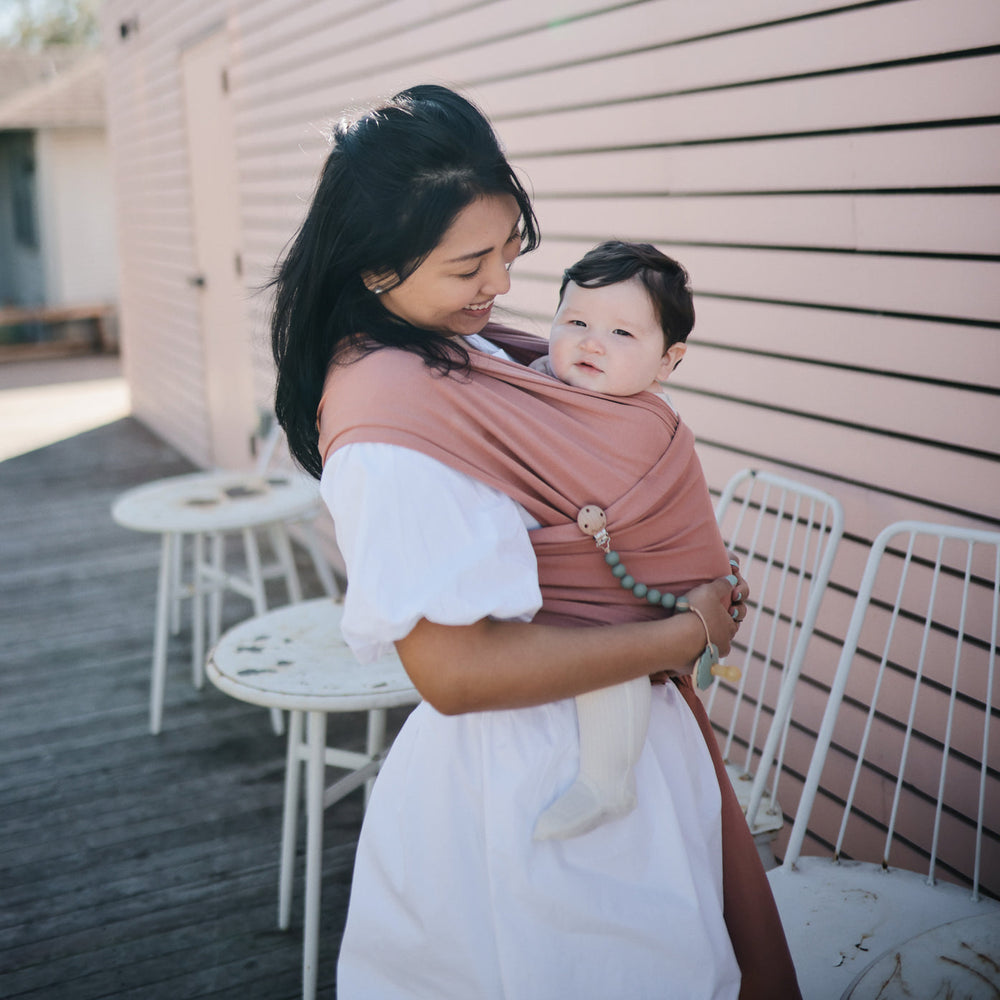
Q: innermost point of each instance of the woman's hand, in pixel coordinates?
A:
(722, 603)
(715, 602)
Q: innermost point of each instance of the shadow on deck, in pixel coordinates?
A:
(133, 866)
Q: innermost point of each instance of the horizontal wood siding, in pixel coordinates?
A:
(828, 172)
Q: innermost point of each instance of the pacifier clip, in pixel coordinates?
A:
(592, 520)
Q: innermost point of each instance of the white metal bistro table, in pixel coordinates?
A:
(959, 959)
(208, 506)
(295, 658)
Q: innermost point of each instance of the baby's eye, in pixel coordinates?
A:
(621, 333)
(577, 322)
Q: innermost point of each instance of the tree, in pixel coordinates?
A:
(36, 24)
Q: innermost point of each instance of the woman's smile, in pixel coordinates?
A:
(480, 307)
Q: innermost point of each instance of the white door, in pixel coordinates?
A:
(225, 327)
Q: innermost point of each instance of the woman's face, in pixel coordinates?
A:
(453, 290)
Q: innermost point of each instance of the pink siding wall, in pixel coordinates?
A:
(829, 173)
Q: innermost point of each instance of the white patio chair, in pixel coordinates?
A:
(198, 511)
(905, 743)
(786, 535)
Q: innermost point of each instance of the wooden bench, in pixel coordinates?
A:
(103, 315)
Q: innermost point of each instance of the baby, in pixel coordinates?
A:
(625, 310)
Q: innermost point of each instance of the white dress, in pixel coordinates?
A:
(452, 898)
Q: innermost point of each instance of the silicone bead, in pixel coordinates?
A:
(591, 520)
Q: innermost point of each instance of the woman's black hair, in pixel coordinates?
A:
(664, 278)
(396, 177)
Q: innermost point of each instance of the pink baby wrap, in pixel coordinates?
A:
(553, 449)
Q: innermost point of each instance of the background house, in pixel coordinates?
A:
(57, 229)
(829, 172)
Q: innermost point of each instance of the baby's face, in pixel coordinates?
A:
(609, 340)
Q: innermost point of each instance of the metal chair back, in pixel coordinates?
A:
(906, 734)
(786, 535)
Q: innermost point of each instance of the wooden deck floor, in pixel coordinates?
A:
(131, 866)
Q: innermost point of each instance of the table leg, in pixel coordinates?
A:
(176, 585)
(198, 613)
(282, 546)
(163, 599)
(375, 742)
(323, 570)
(315, 777)
(254, 571)
(289, 819)
(215, 595)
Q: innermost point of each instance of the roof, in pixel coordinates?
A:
(23, 68)
(51, 89)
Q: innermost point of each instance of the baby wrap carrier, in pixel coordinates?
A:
(553, 449)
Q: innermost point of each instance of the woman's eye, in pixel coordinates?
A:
(471, 274)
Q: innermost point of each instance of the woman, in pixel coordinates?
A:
(454, 475)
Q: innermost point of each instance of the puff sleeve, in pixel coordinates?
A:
(421, 540)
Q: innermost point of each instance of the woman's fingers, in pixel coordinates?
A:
(739, 594)
(713, 600)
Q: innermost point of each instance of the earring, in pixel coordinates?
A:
(378, 291)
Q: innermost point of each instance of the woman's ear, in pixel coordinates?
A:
(670, 361)
(377, 283)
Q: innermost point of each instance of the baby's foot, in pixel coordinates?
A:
(580, 809)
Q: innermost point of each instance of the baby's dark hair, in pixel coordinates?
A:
(664, 279)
